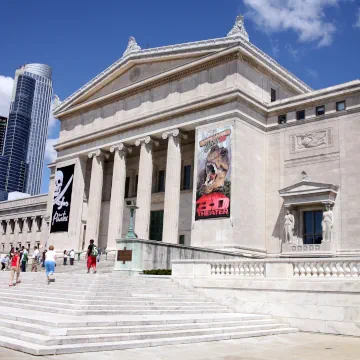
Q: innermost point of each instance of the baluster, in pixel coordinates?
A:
(247, 269)
(226, 266)
(216, 269)
(222, 269)
(354, 270)
(340, 269)
(307, 269)
(302, 269)
(347, 269)
(314, 270)
(327, 270)
(262, 270)
(257, 269)
(242, 269)
(212, 269)
(231, 269)
(252, 270)
(334, 270)
(237, 270)
(321, 270)
(296, 269)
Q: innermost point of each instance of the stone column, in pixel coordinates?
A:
(95, 195)
(143, 201)
(172, 187)
(117, 195)
(7, 235)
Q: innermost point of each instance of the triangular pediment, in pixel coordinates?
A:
(136, 73)
(304, 187)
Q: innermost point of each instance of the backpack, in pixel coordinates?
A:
(94, 251)
(25, 258)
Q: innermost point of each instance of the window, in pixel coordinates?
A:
(320, 110)
(312, 227)
(282, 119)
(187, 177)
(127, 186)
(273, 95)
(161, 181)
(340, 105)
(300, 115)
(182, 239)
(136, 183)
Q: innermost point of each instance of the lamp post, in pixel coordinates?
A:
(131, 233)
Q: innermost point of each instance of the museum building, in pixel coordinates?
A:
(219, 146)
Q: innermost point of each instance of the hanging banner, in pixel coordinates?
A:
(213, 173)
(62, 199)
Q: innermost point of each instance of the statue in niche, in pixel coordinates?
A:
(289, 224)
(327, 223)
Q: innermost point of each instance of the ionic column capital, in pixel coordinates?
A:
(147, 140)
(95, 153)
(121, 148)
(174, 133)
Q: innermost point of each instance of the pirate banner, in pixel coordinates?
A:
(62, 199)
(213, 173)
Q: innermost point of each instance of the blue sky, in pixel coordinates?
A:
(317, 40)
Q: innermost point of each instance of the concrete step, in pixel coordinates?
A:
(99, 338)
(36, 349)
(90, 330)
(106, 311)
(111, 301)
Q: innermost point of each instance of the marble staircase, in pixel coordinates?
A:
(87, 312)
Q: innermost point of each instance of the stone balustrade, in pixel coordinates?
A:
(332, 269)
(328, 268)
(253, 269)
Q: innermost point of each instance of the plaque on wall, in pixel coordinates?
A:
(62, 199)
(124, 255)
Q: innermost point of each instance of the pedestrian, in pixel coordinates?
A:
(50, 258)
(43, 258)
(92, 253)
(72, 257)
(35, 259)
(24, 259)
(4, 262)
(15, 268)
(12, 252)
(65, 257)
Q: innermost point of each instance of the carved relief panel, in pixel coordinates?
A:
(311, 140)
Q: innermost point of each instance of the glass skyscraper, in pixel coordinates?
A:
(13, 166)
(3, 124)
(25, 140)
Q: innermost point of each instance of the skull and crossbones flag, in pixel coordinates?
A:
(62, 199)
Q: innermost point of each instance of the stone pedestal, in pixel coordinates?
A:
(143, 200)
(117, 195)
(172, 187)
(95, 195)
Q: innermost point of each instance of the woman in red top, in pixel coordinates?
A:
(15, 268)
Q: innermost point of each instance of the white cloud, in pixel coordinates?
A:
(275, 47)
(294, 53)
(52, 119)
(50, 153)
(357, 23)
(312, 73)
(305, 17)
(6, 86)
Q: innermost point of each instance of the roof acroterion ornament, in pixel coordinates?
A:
(239, 28)
(132, 46)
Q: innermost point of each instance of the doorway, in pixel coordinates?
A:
(156, 225)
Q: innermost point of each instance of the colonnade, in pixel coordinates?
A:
(144, 189)
(22, 231)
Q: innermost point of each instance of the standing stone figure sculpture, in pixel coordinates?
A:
(289, 224)
(327, 223)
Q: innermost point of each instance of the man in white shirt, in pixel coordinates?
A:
(35, 259)
(72, 256)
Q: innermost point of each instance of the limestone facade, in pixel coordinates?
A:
(133, 133)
